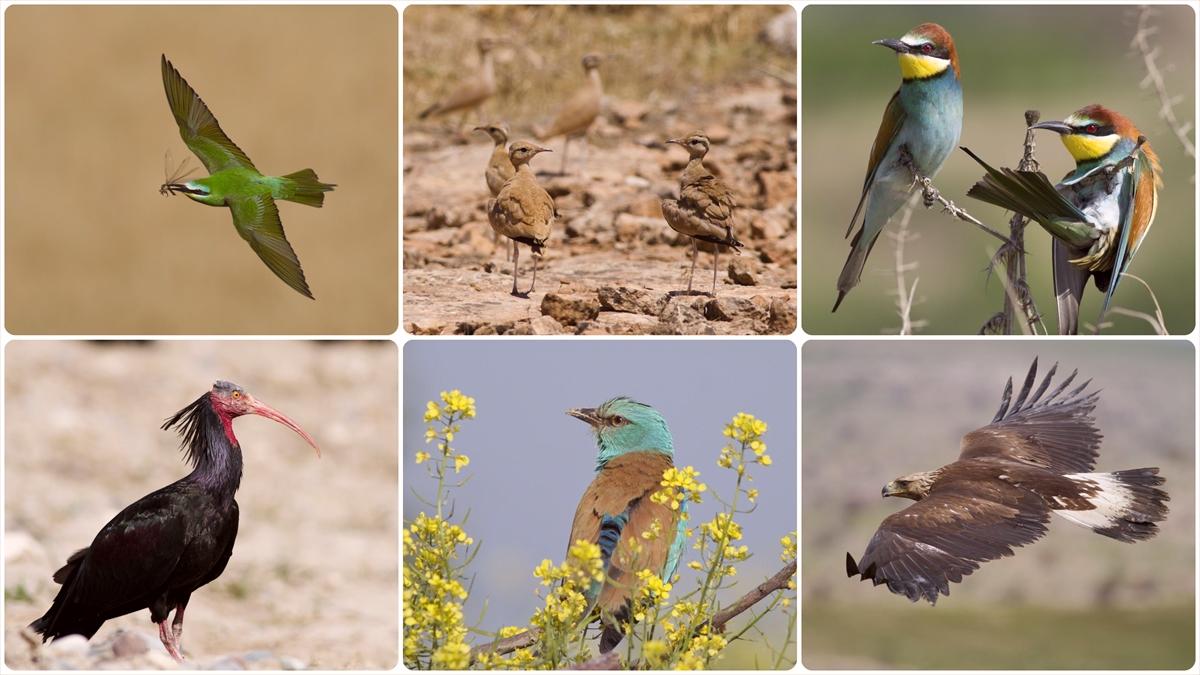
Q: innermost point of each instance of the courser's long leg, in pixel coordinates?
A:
(695, 252)
(516, 256)
(716, 256)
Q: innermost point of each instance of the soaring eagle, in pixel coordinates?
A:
(1035, 458)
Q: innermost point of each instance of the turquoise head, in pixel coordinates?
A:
(623, 425)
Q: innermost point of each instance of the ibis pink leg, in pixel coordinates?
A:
(168, 639)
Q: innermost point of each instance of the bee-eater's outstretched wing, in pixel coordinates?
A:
(1031, 194)
(1138, 202)
(197, 125)
(893, 119)
(257, 220)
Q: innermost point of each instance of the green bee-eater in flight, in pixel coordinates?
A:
(234, 182)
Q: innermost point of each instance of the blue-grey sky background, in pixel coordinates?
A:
(530, 462)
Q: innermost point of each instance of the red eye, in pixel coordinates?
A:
(1091, 128)
(926, 48)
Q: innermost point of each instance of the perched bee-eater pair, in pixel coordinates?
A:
(1098, 215)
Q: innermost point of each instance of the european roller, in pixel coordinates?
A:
(635, 449)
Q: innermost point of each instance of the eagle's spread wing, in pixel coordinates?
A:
(1056, 432)
(920, 551)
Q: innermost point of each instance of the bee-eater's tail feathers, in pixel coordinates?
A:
(838, 303)
(303, 187)
(852, 270)
(1069, 282)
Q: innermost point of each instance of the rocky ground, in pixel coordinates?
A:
(612, 265)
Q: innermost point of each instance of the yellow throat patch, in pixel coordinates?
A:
(1086, 148)
(919, 66)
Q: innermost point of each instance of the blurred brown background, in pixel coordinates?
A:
(92, 248)
(873, 411)
(314, 572)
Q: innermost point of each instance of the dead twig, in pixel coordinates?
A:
(905, 294)
(930, 196)
(1012, 256)
(1154, 78)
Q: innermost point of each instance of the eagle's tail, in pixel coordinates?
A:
(1125, 505)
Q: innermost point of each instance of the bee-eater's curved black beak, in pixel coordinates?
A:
(1057, 127)
(897, 46)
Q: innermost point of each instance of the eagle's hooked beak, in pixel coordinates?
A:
(890, 490)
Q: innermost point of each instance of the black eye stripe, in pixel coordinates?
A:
(935, 51)
(1101, 130)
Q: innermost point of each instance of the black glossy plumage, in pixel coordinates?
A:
(158, 550)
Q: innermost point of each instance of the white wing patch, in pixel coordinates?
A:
(1109, 504)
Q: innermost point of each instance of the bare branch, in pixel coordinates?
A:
(930, 195)
(1154, 78)
(775, 583)
(1012, 256)
(905, 295)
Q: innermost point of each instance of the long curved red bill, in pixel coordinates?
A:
(262, 409)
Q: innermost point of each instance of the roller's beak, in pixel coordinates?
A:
(1056, 127)
(897, 46)
(676, 141)
(256, 407)
(586, 414)
(480, 129)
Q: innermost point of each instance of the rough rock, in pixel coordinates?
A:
(782, 317)
(570, 309)
(776, 188)
(631, 300)
(741, 272)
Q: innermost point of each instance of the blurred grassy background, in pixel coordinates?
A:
(873, 411)
(655, 51)
(1054, 59)
(92, 248)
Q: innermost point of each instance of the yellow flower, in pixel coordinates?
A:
(789, 547)
(456, 402)
(752, 494)
(695, 565)
(422, 456)
(655, 651)
(765, 460)
(460, 461)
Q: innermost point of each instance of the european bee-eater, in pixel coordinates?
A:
(234, 182)
(616, 510)
(1098, 215)
(924, 117)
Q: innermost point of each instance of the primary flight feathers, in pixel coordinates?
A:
(236, 183)
(1035, 458)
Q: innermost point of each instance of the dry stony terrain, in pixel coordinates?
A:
(313, 581)
(612, 265)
